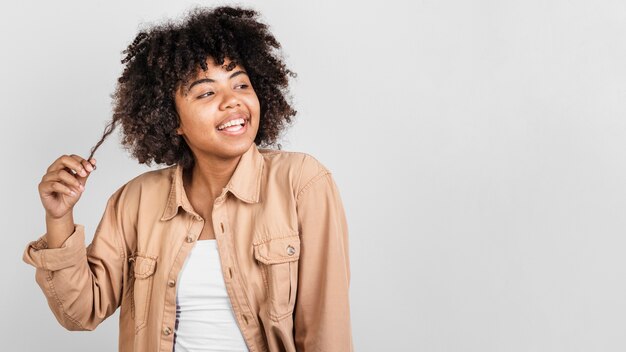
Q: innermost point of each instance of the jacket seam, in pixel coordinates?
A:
(266, 240)
(278, 317)
(58, 301)
(311, 183)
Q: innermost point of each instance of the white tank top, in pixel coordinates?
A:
(204, 316)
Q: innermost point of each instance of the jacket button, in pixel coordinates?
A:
(171, 283)
(167, 331)
(291, 250)
(189, 239)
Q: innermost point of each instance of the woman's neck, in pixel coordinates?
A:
(208, 177)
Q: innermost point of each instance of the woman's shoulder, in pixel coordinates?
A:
(144, 195)
(153, 178)
(155, 182)
(300, 166)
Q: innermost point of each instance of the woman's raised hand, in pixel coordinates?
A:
(63, 184)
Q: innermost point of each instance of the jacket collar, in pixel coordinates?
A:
(245, 183)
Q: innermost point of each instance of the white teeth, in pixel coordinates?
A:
(231, 123)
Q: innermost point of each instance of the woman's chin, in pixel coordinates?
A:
(234, 148)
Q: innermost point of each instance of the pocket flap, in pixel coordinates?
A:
(278, 250)
(144, 266)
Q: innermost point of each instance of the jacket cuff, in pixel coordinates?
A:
(71, 252)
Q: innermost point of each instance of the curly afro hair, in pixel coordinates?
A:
(168, 55)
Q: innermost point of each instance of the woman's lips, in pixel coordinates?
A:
(235, 130)
(232, 121)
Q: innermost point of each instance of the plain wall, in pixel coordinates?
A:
(479, 148)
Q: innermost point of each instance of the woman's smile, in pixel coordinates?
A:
(234, 125)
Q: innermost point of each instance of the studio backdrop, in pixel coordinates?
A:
(479, 148)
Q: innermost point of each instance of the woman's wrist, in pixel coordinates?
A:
(59, 229)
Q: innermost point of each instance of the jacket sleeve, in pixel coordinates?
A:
(322, 311)
(83, 285)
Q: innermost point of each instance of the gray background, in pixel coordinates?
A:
(478, 146)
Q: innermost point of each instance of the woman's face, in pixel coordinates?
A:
(212, 101)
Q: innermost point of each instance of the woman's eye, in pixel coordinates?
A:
(242, 86)
(205, 95)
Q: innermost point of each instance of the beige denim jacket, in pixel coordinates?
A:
(282, 236)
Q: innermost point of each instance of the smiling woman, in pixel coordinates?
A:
(160, 62)
(231, 247)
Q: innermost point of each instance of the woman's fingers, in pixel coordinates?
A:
(50, 187)
(75, 163)
(68, 161)
(65, 178)
(86, 165)
(64, 182)
(67, 175)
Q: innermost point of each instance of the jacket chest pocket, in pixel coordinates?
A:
(143, 268)
(278, 259)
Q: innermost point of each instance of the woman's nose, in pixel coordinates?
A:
(230, 101)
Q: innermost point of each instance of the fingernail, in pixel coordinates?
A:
(89, 168)
(83, 172)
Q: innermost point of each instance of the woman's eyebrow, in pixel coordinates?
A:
(235, 74)
(209, 80)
